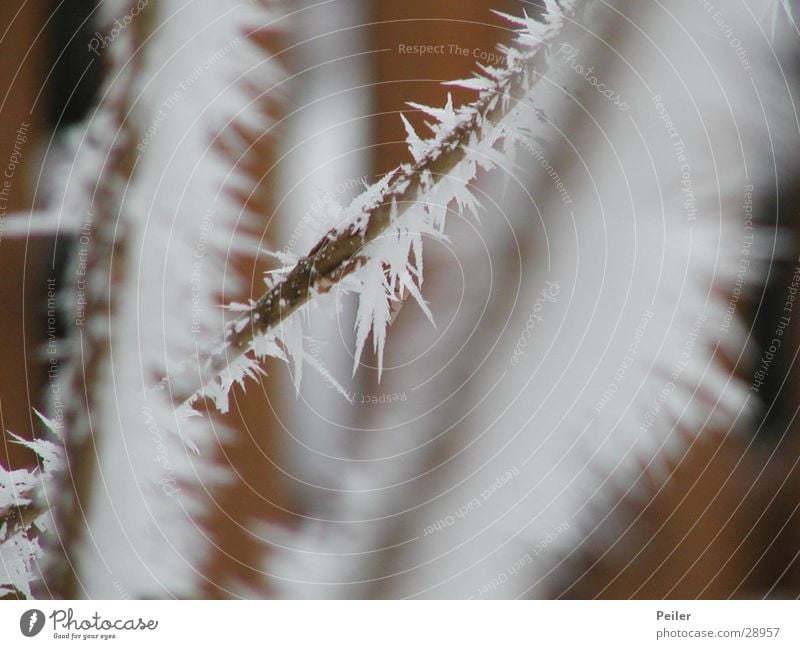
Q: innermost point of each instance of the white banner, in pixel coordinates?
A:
(384, 625)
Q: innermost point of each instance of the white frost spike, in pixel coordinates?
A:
(20, 548)
(393, 212)
(286, 258)
(407, 283)
(475, 83)
(236, 372)
(371, 197)
(266, 345)
(416, 146)
(51, 454)
(448, 119)
(52, 425)
(373, 311)
(491, 71)
(532, 28)
(290, 333)
(387, 277)
(239, 307)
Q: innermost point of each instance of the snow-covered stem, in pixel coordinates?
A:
(114, 192)
(101, 179)
(204, 99)
(341, 250)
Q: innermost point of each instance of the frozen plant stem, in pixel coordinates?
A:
(342, 250)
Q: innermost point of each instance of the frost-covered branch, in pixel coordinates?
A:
(203, 99)
(155, 190)
(407, 203)
(96, 181)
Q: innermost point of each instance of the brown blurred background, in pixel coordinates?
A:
(724, 525)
